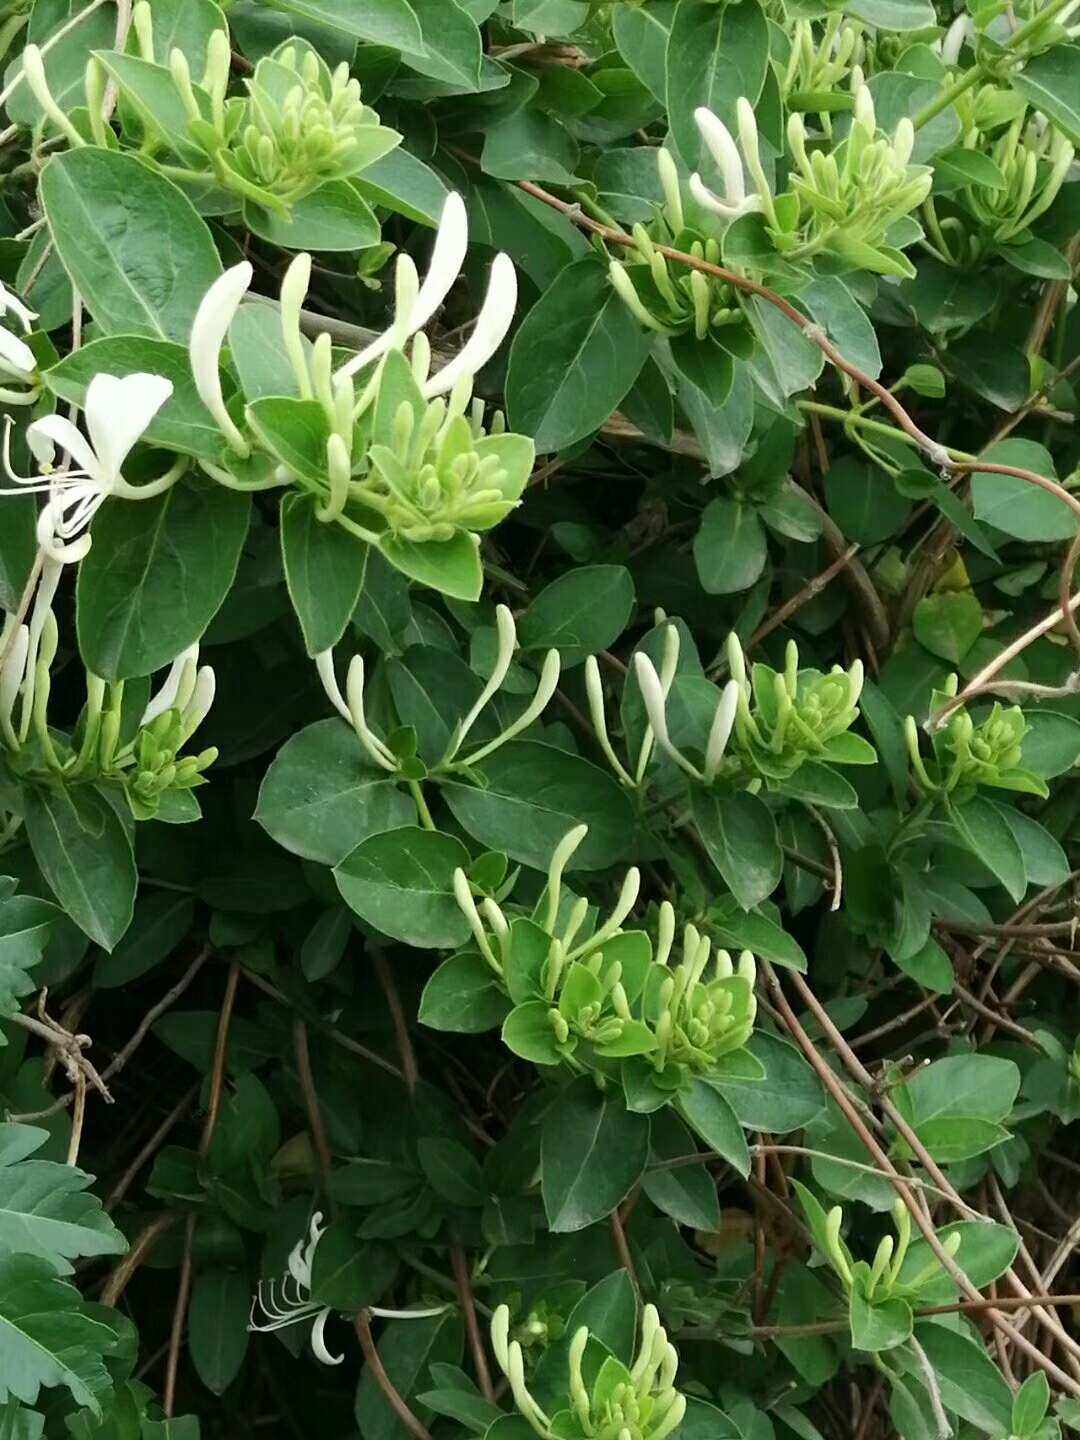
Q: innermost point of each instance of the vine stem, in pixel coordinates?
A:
(213, 1107)
(468, 1309)
(373, 1361)
(311, 1104)
(900, 1183)
(409, 1069)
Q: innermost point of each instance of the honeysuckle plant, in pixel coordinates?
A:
(539, 720)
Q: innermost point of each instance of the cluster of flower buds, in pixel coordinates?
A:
(1034, 158)
(818, 67)
(881, 1279)
(673, 299)
(18, 366)
(698, 1016)
(639, 1402)
(147, 766)
(304, 125)
(967, 755)
(786, 717)
(350, 707)
(844, 198)
(412, 456)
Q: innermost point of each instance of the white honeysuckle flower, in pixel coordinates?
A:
(16, 358)
(117, 411)
(720, 731)
(864, 109)
(288, 1300)
(324, 664)
(208, 331)
(721, 146)
(383, 756)
(182, 672)
(202, 698)
(11, 302)
(421, 301)
(506, 644)
(492, 323)
(952, 42)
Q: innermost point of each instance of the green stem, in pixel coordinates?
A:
(1011, 50)
(876, 427)
(417, 792)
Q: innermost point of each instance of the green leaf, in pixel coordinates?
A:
(65, 59)
(970, 1383)
(44, 1207)
(45, 1338)
(407, 1349)
(296, 432)
(217, 1326)
(348, 1274)
(135, 248)
(948, 623)
(739, 834)
(333, 217)
(389, 22)
(1051, 83)
(183, 423)
(983, 828)
(787, 1098)
(157, 575)
(324, 570)
(451, 1171)
(581, 612)
(84, 853)
(592, 1152)
(531, 794)
(575, 356)
(1030, 1404)
(464, 996)
(730, 548)
(980, 1085)
(862, 502)
(986, 1251)
(25, 924)
(1015, 505)
(404, 184)
(709, 1114)
(878, 1325)
(685, 1192)
(714, 55)
(527, 1032)
(1051, 745)
(402, 883)
(450, 566)
(321, 797)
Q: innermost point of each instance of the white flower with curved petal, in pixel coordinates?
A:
(16, 358)
(421, 301)
(169, 697)
(208, 331)
(283, 1306)
(11, 302)
(117, 412)
(492, 323)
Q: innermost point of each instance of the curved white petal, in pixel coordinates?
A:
(208, 331)
(653, 696)
(165, 699)
(57, 430)
(118, 410)
(324, 664)
(11, 302)
(16, 354)
(56, 532)
(447, 258)
(496, 315)
(724, 151)
(318, 1342)
(723, 720)
(708, 201)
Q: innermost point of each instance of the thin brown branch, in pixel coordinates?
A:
(179, 1110)
(311, 1105)
(213, 1107)
(472, 1328)
(397, 1016)
(144, 1242)
(378, 1373)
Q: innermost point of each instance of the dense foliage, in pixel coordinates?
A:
(539, 719)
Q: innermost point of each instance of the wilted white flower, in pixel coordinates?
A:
(117, 412)
(287, 1300)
